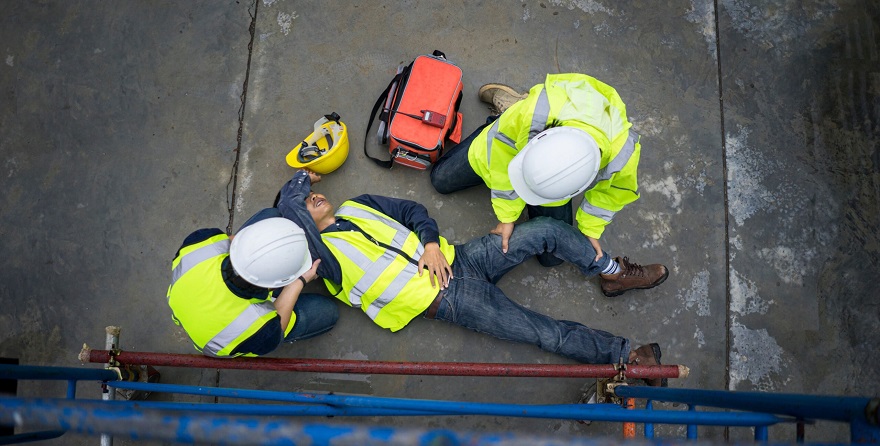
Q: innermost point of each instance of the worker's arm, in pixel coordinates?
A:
(271, 334)
(290, 294)
(263, 341)
(503, 140)
(410, 214)
(292, 204)
(608, 197)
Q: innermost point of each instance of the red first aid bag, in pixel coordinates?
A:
(419, 112)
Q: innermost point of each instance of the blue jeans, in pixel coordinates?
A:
(474, 301)
(453, 172)
(561, 213)
(315, 314)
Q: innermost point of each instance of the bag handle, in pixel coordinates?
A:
(379, 102)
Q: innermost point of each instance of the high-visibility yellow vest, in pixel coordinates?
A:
(573, 100)
(379, 269)
(215, 319)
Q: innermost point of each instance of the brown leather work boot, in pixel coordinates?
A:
(632, 276)
(648, 355)
(500, 97)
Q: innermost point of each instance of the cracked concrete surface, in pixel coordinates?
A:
(125, 127)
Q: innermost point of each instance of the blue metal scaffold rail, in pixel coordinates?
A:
(246, 423)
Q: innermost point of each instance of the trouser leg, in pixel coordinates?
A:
(483, 256)
(453, 172)
(562, 213)
(483, 307)
(315, 315)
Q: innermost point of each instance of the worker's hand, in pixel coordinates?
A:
(312, 272)
(504, 230)
(313, 176)
(597, 247)
(437, 265)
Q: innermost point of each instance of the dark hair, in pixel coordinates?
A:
(240, 287)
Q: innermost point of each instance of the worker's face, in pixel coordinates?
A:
(318, 206)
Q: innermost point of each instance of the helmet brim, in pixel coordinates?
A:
(242, 269)
(517, 175)
(518, 180)
(307, 264)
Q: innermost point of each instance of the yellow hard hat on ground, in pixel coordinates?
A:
(325, 149)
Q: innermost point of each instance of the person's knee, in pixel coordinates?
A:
(545, 222)
(330, 310)
(439, 183)
(443, 190)
(318, 306)
(547, 229)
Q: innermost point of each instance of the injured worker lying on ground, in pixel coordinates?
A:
(386, 257)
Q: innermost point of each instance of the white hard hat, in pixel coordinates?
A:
(557, 164)
(270, 253)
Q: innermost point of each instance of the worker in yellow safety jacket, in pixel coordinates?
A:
(386, 257)
(241, 295)
(566, 137)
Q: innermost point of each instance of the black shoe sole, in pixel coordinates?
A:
(618, 293)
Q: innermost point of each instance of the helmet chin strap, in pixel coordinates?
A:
(312, 152)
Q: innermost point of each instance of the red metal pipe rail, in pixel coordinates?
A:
(385, 367)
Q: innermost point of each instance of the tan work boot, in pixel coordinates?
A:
(632, 276)
(648, 355)
(500, 97)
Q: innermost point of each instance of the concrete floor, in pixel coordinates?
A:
(760, 179)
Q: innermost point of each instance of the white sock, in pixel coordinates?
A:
(612, 268)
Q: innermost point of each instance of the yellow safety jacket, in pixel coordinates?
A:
(574, 100)
(380, 272)
(215, 319)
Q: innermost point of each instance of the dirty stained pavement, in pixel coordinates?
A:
(123, 127)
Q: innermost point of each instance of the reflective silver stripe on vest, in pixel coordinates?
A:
(489, 138)
(604, 214)
(505, 139)
(392, 291)
(399, 237)
(504, 194)
(619, 161)
(374, 270)
(241, 323)
(540, 115)
(190, 260)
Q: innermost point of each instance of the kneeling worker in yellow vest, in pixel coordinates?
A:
(568, 136)
(386, 257)
(223, 287)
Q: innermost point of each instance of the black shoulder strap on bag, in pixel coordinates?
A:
(379, 102)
